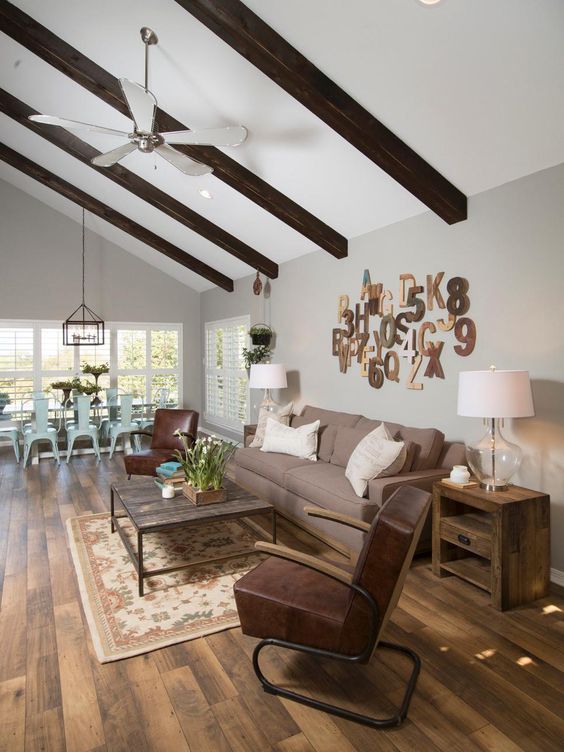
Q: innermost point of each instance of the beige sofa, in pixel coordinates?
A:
(290, 483)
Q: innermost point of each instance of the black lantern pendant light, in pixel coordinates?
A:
(83, 326)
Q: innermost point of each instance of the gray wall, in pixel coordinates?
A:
(510, 250)
(40, 259)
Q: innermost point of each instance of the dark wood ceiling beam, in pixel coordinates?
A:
(258, 43)
(110, 215)
(76, 147)
(65, 58)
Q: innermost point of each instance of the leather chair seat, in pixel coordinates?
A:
(146, 461)
(288, 601)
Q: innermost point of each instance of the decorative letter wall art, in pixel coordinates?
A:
(392, 343)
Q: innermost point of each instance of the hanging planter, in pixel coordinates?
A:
(260, 334)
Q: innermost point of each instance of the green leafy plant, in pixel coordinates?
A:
(204, 462)
(4, 399)
(256, 355)
(95, 370)
(260, 334)
(68, 384)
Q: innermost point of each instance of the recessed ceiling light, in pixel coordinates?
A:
(205, 193)
(429, 2)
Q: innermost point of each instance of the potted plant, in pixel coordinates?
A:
(256, 355)
(66, 386)
(95, 371)
(204, 463)
(260, 334)
(4, 400)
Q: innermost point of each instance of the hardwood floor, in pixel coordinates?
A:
(490, 681)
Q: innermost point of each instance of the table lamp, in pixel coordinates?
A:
(494, 395)
(268, 376)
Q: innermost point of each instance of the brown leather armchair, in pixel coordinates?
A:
(295, 601)
(163, 440)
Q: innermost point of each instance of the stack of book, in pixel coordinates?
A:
(170, 474)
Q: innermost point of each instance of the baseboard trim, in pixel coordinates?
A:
(557, 576)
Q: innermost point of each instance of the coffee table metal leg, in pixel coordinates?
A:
(112, 526)
(274, 525)
(140, 562)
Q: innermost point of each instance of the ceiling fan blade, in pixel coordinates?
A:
(111, 157)
(232, 135)
(75, 125)
(141, 103)
(181, 162)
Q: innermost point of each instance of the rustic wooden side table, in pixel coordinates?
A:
(499, 541)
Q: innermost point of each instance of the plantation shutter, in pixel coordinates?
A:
(226, 380)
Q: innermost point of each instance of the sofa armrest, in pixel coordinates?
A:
(454, 453)
(380, 489)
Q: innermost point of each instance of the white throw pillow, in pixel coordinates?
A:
(299, 442)
(375, 456)
(280, 415)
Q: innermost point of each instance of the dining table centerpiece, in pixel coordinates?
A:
(96, 371)
(204, 463)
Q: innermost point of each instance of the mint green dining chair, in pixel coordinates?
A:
(81, 426)
(125, 423)
(39, 428)
(161, 400)
(14, 436)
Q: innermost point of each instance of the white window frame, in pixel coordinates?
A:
(215, 420)
(37, 374)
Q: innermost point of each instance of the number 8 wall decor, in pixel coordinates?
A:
(372, 331)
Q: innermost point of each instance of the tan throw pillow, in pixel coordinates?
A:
(376, 456)
(280, 415)
(299, 442)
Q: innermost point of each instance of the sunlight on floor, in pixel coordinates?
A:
(551, 609)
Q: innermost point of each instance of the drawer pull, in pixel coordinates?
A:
(464, 539)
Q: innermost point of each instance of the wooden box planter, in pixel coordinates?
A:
(199, 497)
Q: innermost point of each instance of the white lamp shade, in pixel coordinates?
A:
(495, 394)
(268, 376)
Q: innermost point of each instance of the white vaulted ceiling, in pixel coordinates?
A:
(476, 88)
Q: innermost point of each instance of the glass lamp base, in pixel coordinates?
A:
(493, 460)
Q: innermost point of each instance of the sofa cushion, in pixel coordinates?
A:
(329, 417)
(429, 440)
(347, 440)
(268, 464)
(280, 413)
(326, 485)
(326, 437)
(376, 455)
(299, 442)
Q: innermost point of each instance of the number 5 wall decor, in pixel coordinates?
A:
(378, 338)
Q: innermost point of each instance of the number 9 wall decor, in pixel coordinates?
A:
(379, 338)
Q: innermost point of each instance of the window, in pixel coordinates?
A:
(16, 361)
(226, 383)
(143, 358)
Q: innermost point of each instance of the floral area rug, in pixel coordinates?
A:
(177, 606)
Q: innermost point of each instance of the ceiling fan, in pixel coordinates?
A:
(142, 105)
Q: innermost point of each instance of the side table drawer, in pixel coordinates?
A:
(468, 531)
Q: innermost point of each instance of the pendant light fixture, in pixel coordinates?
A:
(83, 326)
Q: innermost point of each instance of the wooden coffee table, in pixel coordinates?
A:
(148, 512)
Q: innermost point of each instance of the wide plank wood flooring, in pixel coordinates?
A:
(490, 681)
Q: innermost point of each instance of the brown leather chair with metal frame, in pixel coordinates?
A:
(163, 440)
(296, 601)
